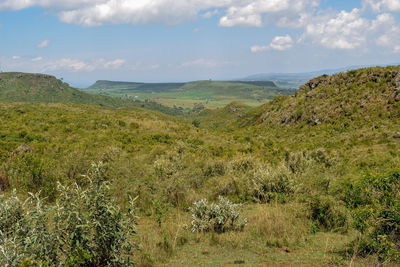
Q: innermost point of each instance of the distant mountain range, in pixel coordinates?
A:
(294, 80)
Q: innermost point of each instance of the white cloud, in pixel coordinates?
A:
(208, 63)
(170, 12)
(54, 4)
(210, 14)
(382, 5)
(259, 48)
(344, 30)
(44, 65)
(37, 59)
(387, 32)
(279, 43)
(350, 30)
(282, 43)
(290, 13)
(75, 65)
(113, 64)
(43, 44)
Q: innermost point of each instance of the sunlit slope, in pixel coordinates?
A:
(345, 99)
(28, 87)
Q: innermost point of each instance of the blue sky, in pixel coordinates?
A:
(182, 40)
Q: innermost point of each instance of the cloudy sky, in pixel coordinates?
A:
(181, 40)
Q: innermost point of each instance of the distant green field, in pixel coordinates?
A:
(212, 94)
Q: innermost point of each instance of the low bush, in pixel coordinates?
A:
(215, 168)
(375, 204)
(216, 217)
(297, 162)
(328, 213)
(85, 228)
(271, 184)
(243, 164)
(33, 173)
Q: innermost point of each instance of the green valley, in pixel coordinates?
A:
(212, 94)
(309, 179)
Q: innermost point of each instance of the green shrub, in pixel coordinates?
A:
(24, 232)
(215, 168)
(84, 228)
(268, 184)
(375, 203)
(217, 217)
(167, 165)
(243, 164)
(196, 123)
(33, 173)
(327, 213)
(297, 162)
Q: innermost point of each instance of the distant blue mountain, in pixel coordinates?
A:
(294, 80)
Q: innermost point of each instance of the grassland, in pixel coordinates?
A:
(212, 94)
(292, 163)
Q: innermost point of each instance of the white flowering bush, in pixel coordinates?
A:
(218, 217)
(85, 227)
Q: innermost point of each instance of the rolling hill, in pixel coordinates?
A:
(28, 87)
(295, 80)
(350, 102)
(356, 96)
(212, 93)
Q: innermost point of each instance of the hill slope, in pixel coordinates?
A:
(27, 87)
(347, 98)
(295, 80)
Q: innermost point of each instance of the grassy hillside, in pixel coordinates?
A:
(27, 87)
(210, 93)
(320, 193)
(348, 98)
